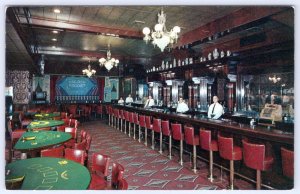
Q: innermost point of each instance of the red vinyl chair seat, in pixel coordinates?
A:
(255, 156)
(156, 125)
(287, 157)
(228, 150)
(177, 133)
(165, 127)
(148, 122)
(190, 137)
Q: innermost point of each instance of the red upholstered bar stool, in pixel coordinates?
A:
(287, 158)
(148, 126)
(211, 145)
(126, 115)
(177, 134)
(135, 123)
(254, 156)
(193, 140)
(121, 119)
(165, 127)
(229, 151)
(142, 123)
(131, 121)
(116, 114)
(157, 128)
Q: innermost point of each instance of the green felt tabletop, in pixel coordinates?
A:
(49, 174)
(44, 116)
(33, 140)
(44, 123)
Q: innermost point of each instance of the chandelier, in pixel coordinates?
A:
(109, 62)
(274, 79)
(161, 37)
(88, 72)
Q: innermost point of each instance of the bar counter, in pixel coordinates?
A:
(273, 138)
(225, 125)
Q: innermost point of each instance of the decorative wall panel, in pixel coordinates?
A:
(111, 89)
(20, 82)
(43, 83)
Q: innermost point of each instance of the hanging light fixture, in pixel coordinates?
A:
(274, 79)
(89, 71)
(160, 36)
(109, 62)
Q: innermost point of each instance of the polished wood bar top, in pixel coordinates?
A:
(224, 125)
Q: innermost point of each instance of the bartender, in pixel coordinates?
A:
(149, 102)
(182, 107)
(129, 99)
(215, 110)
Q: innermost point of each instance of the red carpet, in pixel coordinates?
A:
(146, 169)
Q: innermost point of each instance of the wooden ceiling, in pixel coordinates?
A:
(85, 31)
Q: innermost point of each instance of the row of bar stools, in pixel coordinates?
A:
(121, 119)
(130, 122)
(135, 123)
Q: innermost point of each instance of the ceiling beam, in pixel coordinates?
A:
(82, 27)
(87, 54)
(232, 20)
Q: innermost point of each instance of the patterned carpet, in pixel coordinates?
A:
(146, 169)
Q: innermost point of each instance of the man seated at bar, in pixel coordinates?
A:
(149, 102)
(182, 107)
(129, 99)
(121, 101)
(215, 110)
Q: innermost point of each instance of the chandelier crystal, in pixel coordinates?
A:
(274, 79)
(160, 36)
(88, 72)
(109, 62)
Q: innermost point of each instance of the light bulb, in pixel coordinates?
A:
(146, 31)
(158, 27)
(176, 29)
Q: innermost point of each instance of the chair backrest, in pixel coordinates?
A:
(121, 114)
(61, 128)
(82, 134)
(116, 112)
(253, 155)
(225, 145)
(88, 141)
(63, 115)
(177, 131)
(189, 135)
(122, 185)
(165, 127)
(126, 115)
(15, 136)
(205, 139)
(148, 122)
(72, 131)
(157, 125)
(142, 120)
(75, 155)
(66, 121)
(136, 118)
(100, 163)
(57, 152)
(287, 157)
(99, 109)
(81, 145)
(131, 117)
(73, 123)
(117, 174)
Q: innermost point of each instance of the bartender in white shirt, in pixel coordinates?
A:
(149, 102)
(182, 106)
(121, 101)
(129, 99)
(215, 110)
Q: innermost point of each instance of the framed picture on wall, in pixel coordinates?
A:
(127, 87)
